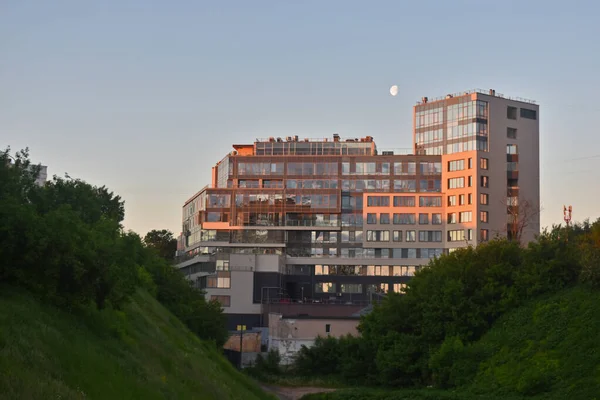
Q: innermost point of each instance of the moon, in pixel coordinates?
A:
(394, 90)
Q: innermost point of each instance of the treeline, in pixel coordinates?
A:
(64, 241)
(421, 338)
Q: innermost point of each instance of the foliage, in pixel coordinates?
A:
(141, 352)
(64, 241)
(426, 336)
(347, 358)
(188, 303)
(589, 248)
(546, 348)
(266, 368)
(548, 345)
(163, 242)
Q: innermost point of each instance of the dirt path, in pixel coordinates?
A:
(293, 393)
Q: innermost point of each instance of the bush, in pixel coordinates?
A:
(65, 242)
(424, 337)
(266, 368)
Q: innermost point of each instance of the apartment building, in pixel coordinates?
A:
(490, 147)
(334, 222)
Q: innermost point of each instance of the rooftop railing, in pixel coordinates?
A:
(300, 139)
(481, 91)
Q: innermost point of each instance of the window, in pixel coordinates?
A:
(430, 201)
(483, 216)
(470, 198)
(461, 200)
(378, 270)
(451, 201)
(511, 149)
(327, 328)
(436, 219)
(411, 236)
(405, 219)
(423, 219)
(397, 236)
(405, 185)
(224, 300)
(527, 113)
(452, 218)
(430, 236)
(483, 163)
(511, 133)
(351, 288)
(511, 112)
(430, 168)
(456, 236)
(484, 235)
(454, 183)
(456, 165)
(222, 265)
(404, 201)
(384, 218)
(469, 234)
(470, 181)
(378, 288)
(371, 218)
(378, 236)
(378, 201)
(399, 287)
(484, 199)
(512, 166)
(221, 281)
(470, 163)
(325, 287)
(465, 216)
(485, 182)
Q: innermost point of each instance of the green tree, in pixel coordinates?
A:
(163, 242)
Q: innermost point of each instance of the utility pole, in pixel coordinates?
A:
(241, 329)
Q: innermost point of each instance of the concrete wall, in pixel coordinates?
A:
(288, 335)
(240, 292)
(528, 142)
(269, 263)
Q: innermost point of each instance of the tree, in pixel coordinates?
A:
(163, 242)
(91, 203)
(522, 214)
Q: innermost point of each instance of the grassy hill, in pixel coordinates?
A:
(143, 352)
(549, 348)
(546, 349)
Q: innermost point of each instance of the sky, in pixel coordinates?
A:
(146, 96)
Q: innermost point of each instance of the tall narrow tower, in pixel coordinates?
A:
(490, 162)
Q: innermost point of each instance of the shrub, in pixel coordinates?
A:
(65, 242)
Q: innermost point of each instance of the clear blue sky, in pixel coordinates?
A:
(145, 96)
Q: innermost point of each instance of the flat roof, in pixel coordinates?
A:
(489, 92)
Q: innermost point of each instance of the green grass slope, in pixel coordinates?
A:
(546, 349)
(143, 352)
(549, 348)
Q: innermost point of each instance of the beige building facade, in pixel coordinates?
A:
(287, 334)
